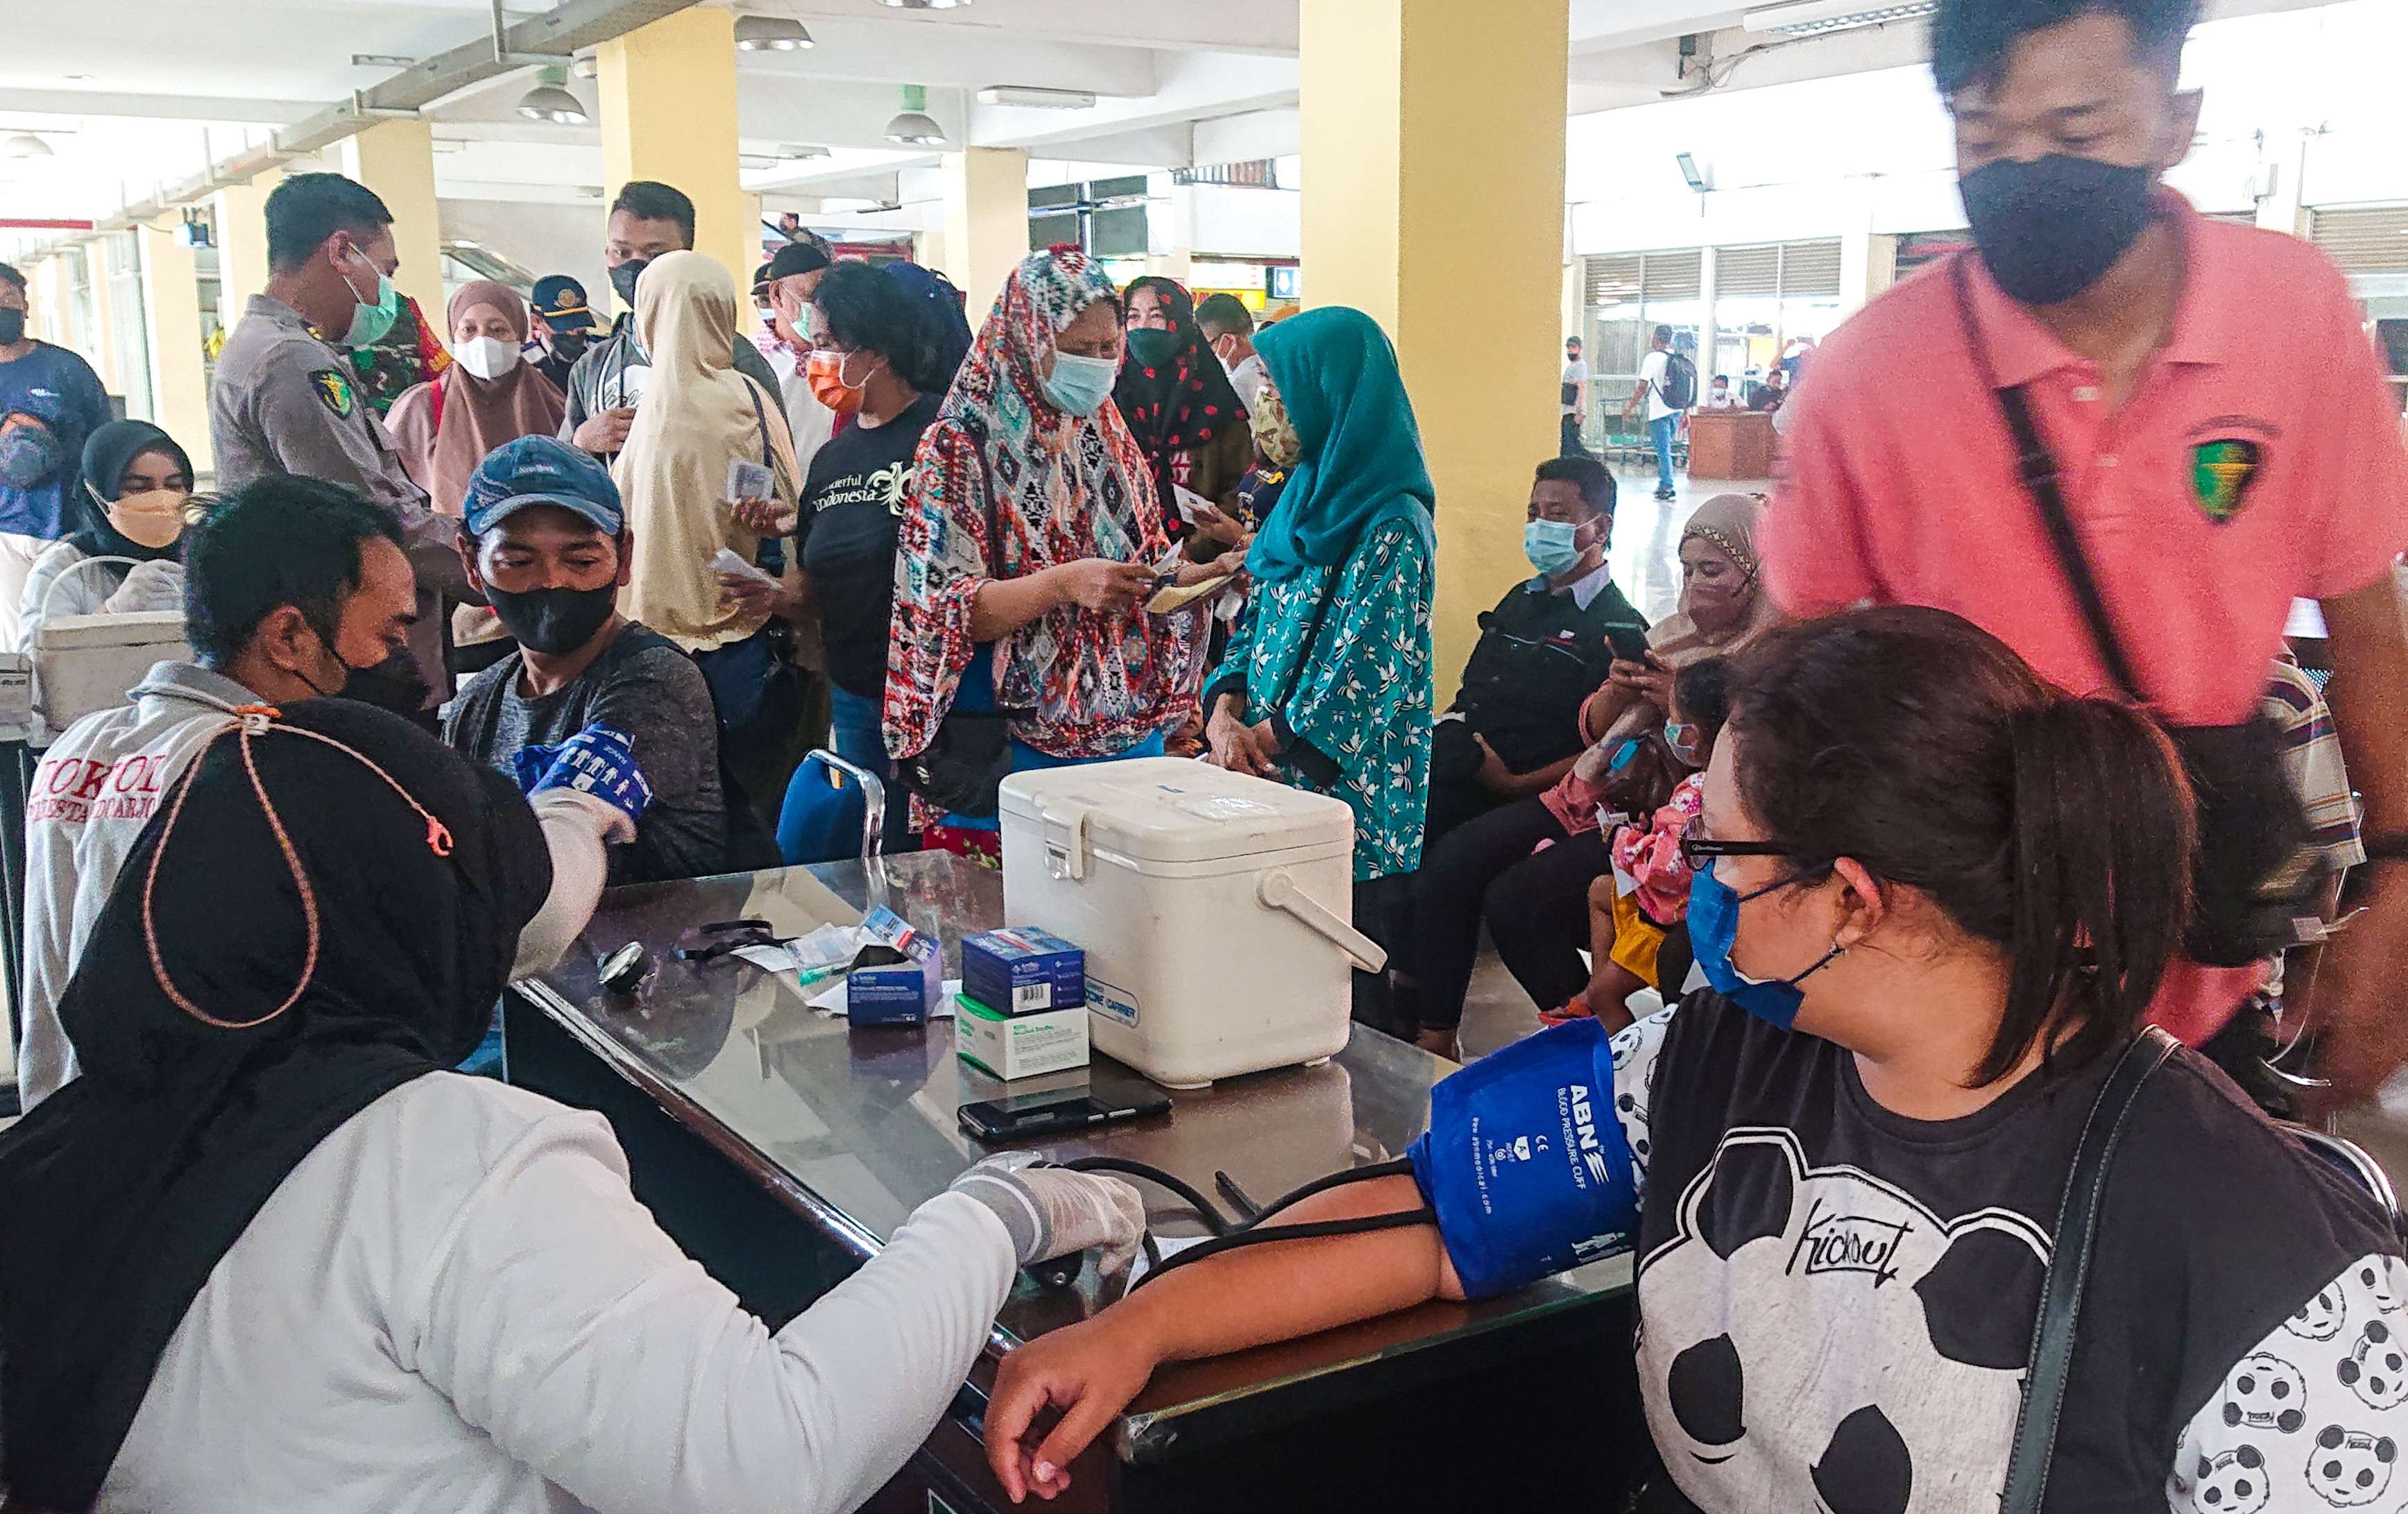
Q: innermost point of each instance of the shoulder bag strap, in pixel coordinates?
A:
(761, 415)
(2068, 1268)
(2036, 465)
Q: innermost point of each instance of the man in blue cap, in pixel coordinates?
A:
(545, 539)
(563, 323)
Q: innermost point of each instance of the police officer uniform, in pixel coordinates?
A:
(284, 401)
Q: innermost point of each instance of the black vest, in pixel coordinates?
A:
(1539, 655)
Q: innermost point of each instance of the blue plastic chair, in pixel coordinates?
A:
(835, 811)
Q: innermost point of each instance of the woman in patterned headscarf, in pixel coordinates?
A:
(1028, 546)
(1178, 402)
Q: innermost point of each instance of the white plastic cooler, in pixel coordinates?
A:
(1212, 906)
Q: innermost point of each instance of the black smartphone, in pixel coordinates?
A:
(1025, 1115)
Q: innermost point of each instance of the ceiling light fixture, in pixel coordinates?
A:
(923, 5)
(1033, 98)
(586, 65)
(382, 59)
(770, 33)
(549, 102)
(24, 145)
(915, 127)
(1817, 18)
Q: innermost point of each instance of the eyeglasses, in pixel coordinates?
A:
(1699, 850)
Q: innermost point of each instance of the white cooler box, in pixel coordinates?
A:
(83, 663)
(1213, 907)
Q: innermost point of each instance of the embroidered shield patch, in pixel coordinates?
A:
(334, 387)
(2221, 472)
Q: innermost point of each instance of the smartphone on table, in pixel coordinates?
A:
(1102, 1101)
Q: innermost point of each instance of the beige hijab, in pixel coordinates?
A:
(697, 415)
(1728, 521)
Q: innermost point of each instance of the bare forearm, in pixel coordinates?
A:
(1275, 1293)
(1538, 780)
(2356, 974)
(1005, 605)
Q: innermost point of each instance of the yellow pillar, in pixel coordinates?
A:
(241, 212)
(986, 221)
(1405, 103)
(171, 302)
(102, 339)
(396, 159)
(669, 114)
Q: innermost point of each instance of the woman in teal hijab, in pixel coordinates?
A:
(1326, 682)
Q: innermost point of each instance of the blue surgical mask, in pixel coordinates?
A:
(1080, 384)
(1713, 929)
(1682, 738)
(1552, 546)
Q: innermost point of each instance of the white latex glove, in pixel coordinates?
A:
(156, 585)
(1052, 1211)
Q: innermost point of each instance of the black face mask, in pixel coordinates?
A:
(12, 326)
(623, 277)
(2051, 228)
(553, 622)
(394, 685)
(569, 346)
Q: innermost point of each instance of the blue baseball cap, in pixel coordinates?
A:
(540, 470)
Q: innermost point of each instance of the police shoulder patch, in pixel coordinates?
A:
(334, 386)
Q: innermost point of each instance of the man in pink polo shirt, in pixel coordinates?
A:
(2222, 434)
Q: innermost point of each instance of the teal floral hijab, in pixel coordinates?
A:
(1362, 463)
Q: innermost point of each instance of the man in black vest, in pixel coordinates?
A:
(1514, 727)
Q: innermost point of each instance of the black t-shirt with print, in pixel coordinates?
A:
(1836, 1303)
(847, 527)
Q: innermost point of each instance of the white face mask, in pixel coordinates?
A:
(487, 357)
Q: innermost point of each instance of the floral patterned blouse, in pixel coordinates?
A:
(1364, 698)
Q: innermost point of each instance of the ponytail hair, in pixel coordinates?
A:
(2057, 829)
(2099, 805)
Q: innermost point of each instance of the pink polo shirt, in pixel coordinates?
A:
(2258, 460)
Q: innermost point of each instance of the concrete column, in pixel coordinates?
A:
(1709, 270)
(396, 159)
(171, 299)
(2283, 162)
(53, 306)
(669, 114)
(1867, 265)
(986, 221)
(1405, 103)
(240, 211)
(102, 337)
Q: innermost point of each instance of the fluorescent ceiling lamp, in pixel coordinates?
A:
(1814, 18)
(24, 145)
(1032, 97)
(549, 102)
(383, 60)
(770, 33)
(923, 5)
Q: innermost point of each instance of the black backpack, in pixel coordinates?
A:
(1680, 382)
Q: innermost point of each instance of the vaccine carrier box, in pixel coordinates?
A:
(1213, 907)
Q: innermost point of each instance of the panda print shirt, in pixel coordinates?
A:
(1836, 1303)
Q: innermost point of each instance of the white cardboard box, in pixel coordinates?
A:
(1020, 1045)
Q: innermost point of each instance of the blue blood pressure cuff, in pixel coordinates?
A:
(1524, 1163)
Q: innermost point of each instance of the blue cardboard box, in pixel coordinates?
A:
(1023, 972)
(902, 993)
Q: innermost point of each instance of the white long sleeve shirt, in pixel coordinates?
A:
(96, 791)
(454, 1306)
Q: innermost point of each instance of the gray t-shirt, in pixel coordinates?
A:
(643, 685)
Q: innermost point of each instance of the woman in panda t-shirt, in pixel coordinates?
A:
(1851, 1159)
